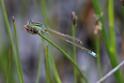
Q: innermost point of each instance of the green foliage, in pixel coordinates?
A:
(12, 44)
(109, 37)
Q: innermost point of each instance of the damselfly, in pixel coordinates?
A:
(42, 29)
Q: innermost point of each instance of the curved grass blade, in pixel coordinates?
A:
(65, 54)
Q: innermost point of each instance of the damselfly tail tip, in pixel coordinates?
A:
(93, 53)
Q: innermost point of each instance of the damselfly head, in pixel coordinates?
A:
(31, 28)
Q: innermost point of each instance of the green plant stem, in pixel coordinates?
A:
(74, 26)
(56, 74)
(17, 49)
(39, 67)
(112, 46)
(52, 66)
(65, 54)
(98, 55)
(111, 25)
(9, 69)
(98, 12)
(47, 66)
(44, 14)
(44, 10)
(12, 42)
